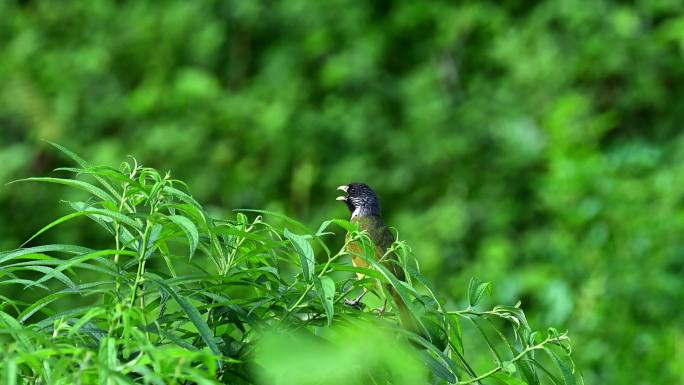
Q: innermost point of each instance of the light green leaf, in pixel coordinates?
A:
(565, 369)
(94, 190)
(9, 376)
(508, 379)
(306, 255)
(72, 249)
(346, 225)
(79, 260)
(189, 229)
(476, 290)
(15, 328)
(92, 313)
(81, 162)
(106, 213)
(403, 293)
(182, 196)
(280, 216)
(508, 367)
(325, 287)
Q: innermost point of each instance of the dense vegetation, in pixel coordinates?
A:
(185, 297)
(537, 145)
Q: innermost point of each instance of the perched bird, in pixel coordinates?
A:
(364, 205)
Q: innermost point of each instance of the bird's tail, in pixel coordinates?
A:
(406, 317)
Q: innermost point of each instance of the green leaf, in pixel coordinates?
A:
(9, 376)
(94, 190)
(306, 255)
(552, 377)
(565, 369)
(106, 213)
(72, 249)
(280, 216)
(476, 290)
(490, 345)
(359, 270)
(508, 367)
(40, 303)
(182, 196)
(195, 317)
(15, 328)
(437, 367)
(189, 229)
(63, 265)
(325, 287)
(48, 270)
(346, 225)
(81, 162)
(73, 312)
(437, 356)
(403, 293)
(456, 337)
(508, 379)
(94, 312)
(107, 357)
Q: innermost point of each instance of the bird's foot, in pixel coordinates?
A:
(381, 310)
(356, 303)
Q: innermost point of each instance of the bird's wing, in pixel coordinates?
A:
(384, 242)
(382, 238)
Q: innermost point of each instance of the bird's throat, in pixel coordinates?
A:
(364, 211)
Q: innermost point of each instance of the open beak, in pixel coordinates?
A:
(342, 198)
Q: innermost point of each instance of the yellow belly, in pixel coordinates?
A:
(358, 257)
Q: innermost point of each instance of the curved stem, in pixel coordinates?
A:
(514, 359)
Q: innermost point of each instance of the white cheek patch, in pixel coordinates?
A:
(356, 212)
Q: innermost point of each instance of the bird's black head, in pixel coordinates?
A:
(360, 199)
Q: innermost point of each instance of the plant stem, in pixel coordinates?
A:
(514, 359)
(299, 300)
(141, 261)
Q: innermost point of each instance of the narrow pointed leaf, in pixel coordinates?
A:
(106, 213)
(195, 317)
(81, 162)
(476, 289)
(94, 190)
(306, 255)
(71, 249)
(189, 229)
(325, 287)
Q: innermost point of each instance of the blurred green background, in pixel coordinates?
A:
(538, 145)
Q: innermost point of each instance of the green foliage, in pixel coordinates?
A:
(184, 297)
(535, 144)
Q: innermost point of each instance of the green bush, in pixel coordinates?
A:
(535, 144)
(179, 296)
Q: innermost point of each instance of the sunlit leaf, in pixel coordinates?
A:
(305, 252)
(189, 229)
(325, 287)
(476, 289)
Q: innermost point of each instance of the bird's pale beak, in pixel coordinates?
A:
(342, 198)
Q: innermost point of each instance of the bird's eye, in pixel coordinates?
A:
(351, 189)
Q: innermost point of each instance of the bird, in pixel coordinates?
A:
(364, 205)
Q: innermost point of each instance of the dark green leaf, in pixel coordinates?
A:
(193, 314)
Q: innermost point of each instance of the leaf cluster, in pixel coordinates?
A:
(183, 297)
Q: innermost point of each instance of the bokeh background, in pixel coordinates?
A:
(537, 145)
